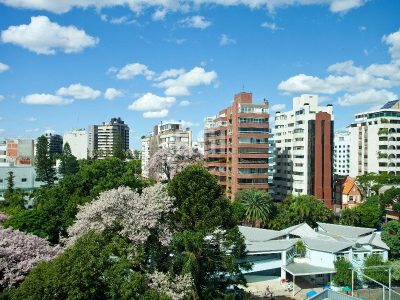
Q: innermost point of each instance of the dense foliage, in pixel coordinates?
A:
(301, 209)
(380, 274)
(44, 163)
(205, 230)
(343, 272)
(19, 253)
(55, 207)
(257, 206)
(69, 164)
(391, 236)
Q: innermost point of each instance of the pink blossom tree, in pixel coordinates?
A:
(19, 253)
(168, 161)
(177, 287)
(137, 214)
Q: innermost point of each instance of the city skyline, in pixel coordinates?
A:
(168, 62)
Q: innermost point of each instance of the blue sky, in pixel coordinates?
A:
(68, 64)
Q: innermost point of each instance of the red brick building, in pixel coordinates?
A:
(236, 145)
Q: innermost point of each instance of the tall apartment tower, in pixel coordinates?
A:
(78, 141)
(341, 153)
(236, 145)
(375, 141)
(55, 143)
(304, 150)
(164, 135)
(104, 138)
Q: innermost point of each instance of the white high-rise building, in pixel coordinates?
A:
(303, 150)
(163, 136)
(341, 153)
(375, 141)
(78, 141)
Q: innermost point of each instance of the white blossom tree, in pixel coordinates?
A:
(19, 253)
(177, 288)
(168, 161)
(138, 214)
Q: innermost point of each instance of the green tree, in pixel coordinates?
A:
(391, 197)
(118, 150)
(205, 231)
(258, 206)
(69, 164)
(308, 209)
(10, 183)
(55, 207)
(379, 274)
(97, 266)
(349, 217)
(391, 236)
(300, 248)
(45, 170)
(367, 182)
(370, 213)
(343, 272)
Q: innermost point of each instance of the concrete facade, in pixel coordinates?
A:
(236, 145)
(20, 152)
(341, 153)
(304, 149)
(55, 143)
(103, 138)
(78, 141)
(375, 141)
(25, 178)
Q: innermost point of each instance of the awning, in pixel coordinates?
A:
(302, 269)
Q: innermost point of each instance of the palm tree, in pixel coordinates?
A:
(258, 206)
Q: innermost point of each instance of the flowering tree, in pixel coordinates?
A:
(177, 288)
(166, 162)
(19, 253)
(137, 214)
(3, 217)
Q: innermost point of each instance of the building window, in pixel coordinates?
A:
(24, 180)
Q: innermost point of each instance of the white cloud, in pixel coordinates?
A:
(30, 119)
(3, 67)
(271, 26)
(79, 91)
(151, 102)
(185, 124)
(111, 93)
(45, 37)
(393, 40)
(354, 84)
(131, 70)
(62, 6)
(159, 15)
(362, 28)
(368, 97)
(184, 103)
(195, 22)
(278, 107)
(225, 40)
(171, 73)
(32, 130)
(45, 99)
(180, 86)
(156, 114)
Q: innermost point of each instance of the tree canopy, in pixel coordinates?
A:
(44, 164)
(69, 164)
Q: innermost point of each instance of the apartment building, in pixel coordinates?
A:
(341, 153)
(303, 150)
(3, 154)
(55, 142)
(375, 141)
(164, 135)
(271, 162)
(104, 138)
(78, 141)
(236, 145)
(19, 152)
